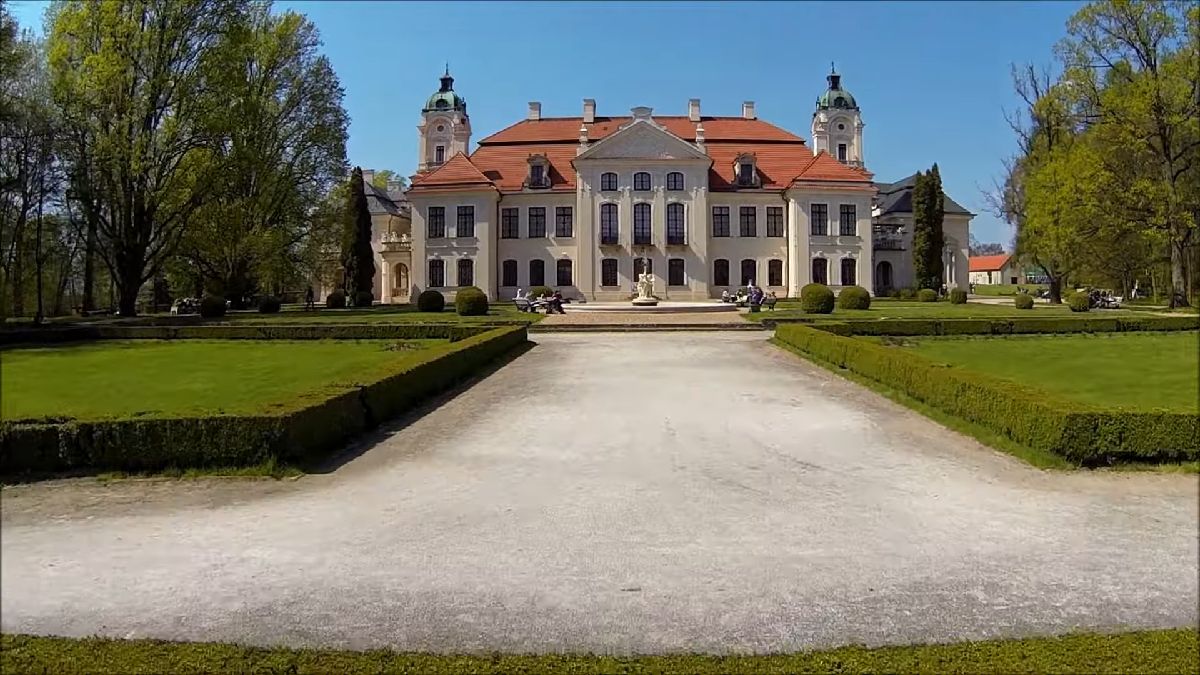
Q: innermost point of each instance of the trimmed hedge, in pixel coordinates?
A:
(1007, 326)
(336, 300)
(1079, 302)
(364, 299)
(431, 301)
(325, 331)
(471, 301)
(907, 293)
(302, 430)
(212, 306)
(269, 305)
(1023, 301)
(926, 295)
(1082, 433)
(958, 296)
(816, 299)
(854, 297)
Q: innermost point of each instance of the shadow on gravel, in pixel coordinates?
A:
(383, 431)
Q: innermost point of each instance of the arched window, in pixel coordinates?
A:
(775, 272)
(437, 273)
(820, 271)
(608, 181)
(883, 277)
(508, 273)
(466, 272)
(537, 272)
(675, 275)
(676, 229)
(720, 272)
(749, 271)
(642, 265)
(641, 223)
(564, 273)
(641, 181)
(400, 279)
(608, 272)
(609, 224)
(849, 265)
(675, 180)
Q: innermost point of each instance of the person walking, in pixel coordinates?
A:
(308, 299)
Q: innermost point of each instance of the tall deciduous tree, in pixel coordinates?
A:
(131, 75)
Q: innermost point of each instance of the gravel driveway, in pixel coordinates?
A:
(618, 493)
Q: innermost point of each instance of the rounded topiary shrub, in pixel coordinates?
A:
(336, 300)
(431, 301)
(854, 297)
(363, 299)
(536, 292)
(958, 296)
(212, 306)
(927, 295)
(268, 304)
(816, 299)
(471, 301)
(1023, 301)
(1079, 302)
(907, 294)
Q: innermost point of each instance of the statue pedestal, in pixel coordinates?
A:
(644, 302)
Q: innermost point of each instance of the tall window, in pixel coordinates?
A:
(537, 176)
(841, 152)
(508, 273)
(641, 223)
(439, 154)
(609, 225)
(720, 226)
(775, 221)
(466, 222)
(849, 265)
(749, 271)
(537, 222)
(820, 271)
(437, 273)
(466, 272)
(564, 221)
(608, 181)
(748, 218)
(675, 276)
(675, 181)
(848, 222)
(720, 272)
(436, 222)
(676, 230)
(819, 219)
(510, 223)
(641, 181)
(537, 272)
(775, 272)
(608, 272)
(564, 272)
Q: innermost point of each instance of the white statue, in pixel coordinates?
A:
(645, 286)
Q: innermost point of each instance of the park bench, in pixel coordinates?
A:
(523, 304)
(769, 303)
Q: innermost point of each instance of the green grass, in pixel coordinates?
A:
(905, 309)
(1007, 289)
(1155, 651)
(1128, 370)
(499, 313)
(148, 377)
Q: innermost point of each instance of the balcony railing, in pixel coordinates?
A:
(888, 244)
(396, 241)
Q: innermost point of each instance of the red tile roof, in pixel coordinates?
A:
(988, 263)
(458, 173)
(566, 129)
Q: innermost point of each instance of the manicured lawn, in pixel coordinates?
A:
(1006, 289)
(905, 309)
(1130, 370)
(1158, 651)
(121, 378)
(500, 313)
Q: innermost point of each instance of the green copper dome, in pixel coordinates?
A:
(835, 96)
(445, 98)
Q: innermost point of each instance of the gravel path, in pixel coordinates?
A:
(618, 493)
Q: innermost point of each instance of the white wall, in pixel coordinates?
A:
(480, 248)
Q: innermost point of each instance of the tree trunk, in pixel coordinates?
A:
(1055, 290)
(38, 264)
(89, 264)
(1179, 288)
(128, 278)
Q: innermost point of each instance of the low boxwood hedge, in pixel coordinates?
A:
(1084, 434)
(302, 430)
(1009, 326)
(1023, 301)
(927, 295)
(958, 296)
(1079, 302)
(327, 331)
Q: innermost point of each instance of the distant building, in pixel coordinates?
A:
(702, 203)
(996, 269)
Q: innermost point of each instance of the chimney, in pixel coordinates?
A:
(748, 110)
(589, 110)
(694, 109)
(368, 176)
(535, 110)
(395, 187)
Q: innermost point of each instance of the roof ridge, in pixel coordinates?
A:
(426, 178)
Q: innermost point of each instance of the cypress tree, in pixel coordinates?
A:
(363, 277)
(928, 206)
(937, 212)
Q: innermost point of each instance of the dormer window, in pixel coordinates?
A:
(539, 172)
(746, 170)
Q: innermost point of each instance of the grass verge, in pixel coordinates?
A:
(270, 468)
(1156, 651)
(1042, 459)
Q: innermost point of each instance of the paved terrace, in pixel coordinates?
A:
(623, 493)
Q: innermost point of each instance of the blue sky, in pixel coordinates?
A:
(932, 78)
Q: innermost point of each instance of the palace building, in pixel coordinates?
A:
(703, 203)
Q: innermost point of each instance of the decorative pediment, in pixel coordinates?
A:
(642, 139)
